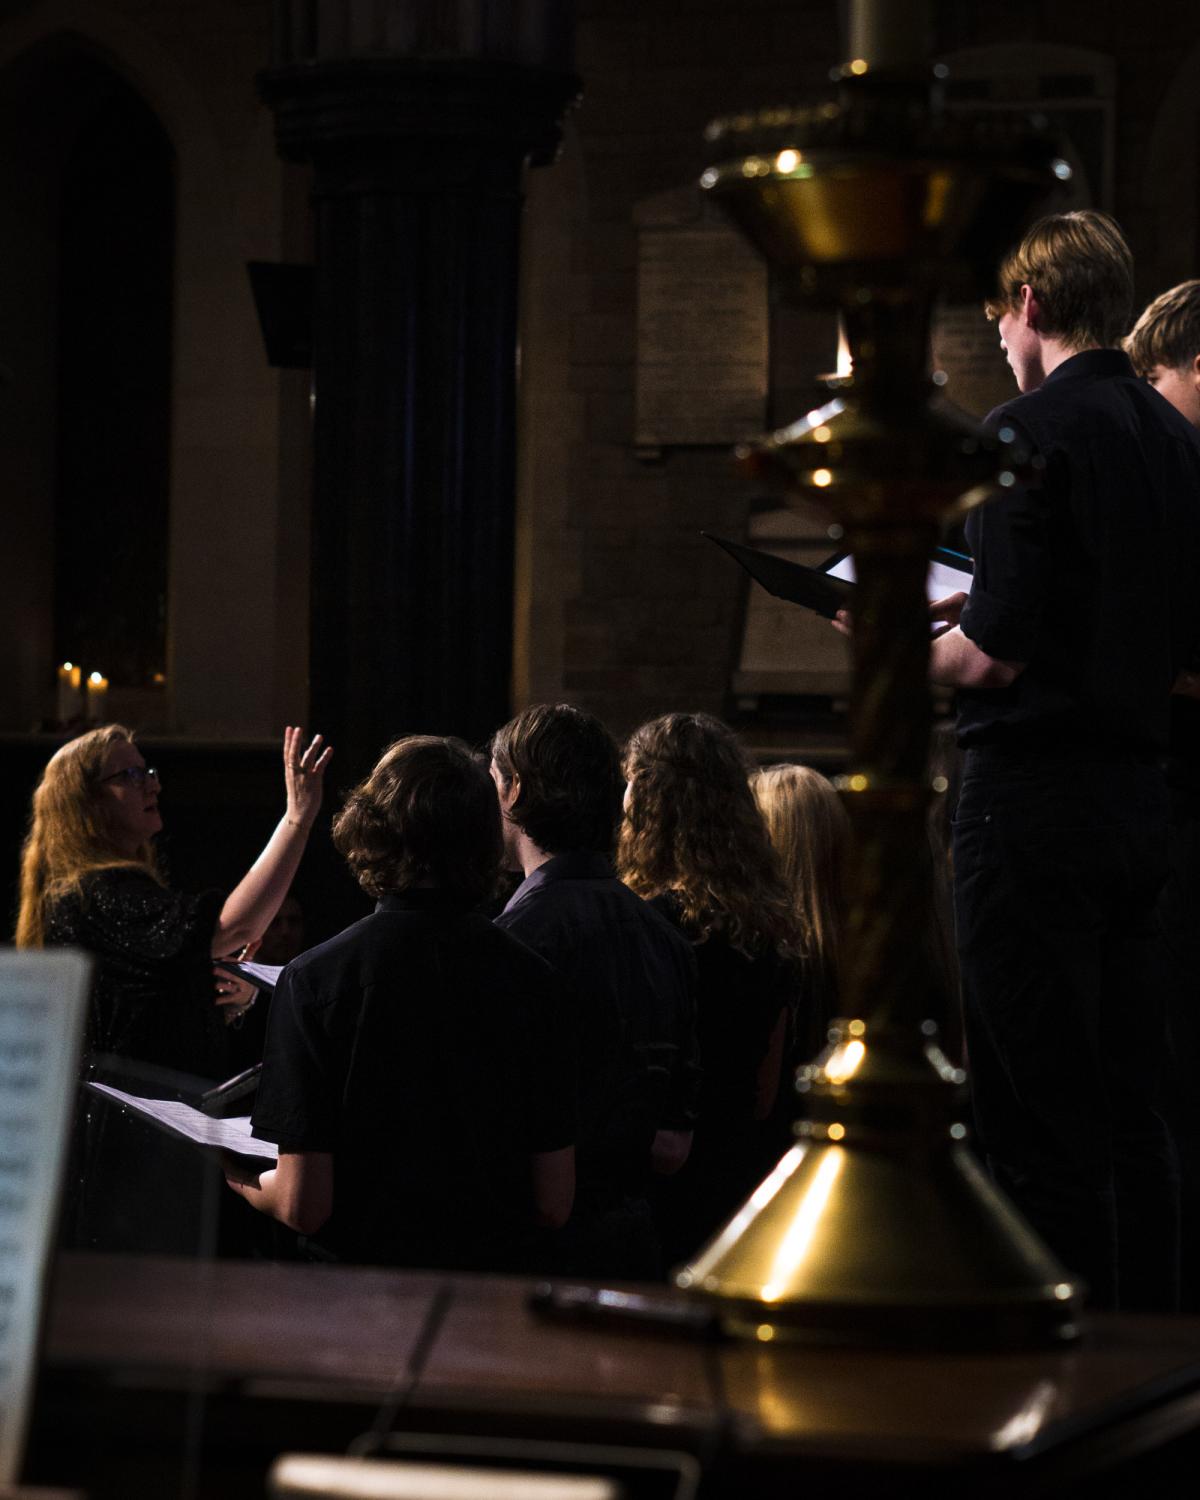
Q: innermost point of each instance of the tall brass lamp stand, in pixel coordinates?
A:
(879, 1226)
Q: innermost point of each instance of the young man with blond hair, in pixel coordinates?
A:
(1082, 612)
(1165, 348)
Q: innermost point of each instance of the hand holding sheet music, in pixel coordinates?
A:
(947, 612)
(944, 615)
(180, 1119)
(262, 976)
(829, 589)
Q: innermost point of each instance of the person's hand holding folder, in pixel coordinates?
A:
(943, 613)
(240, 1171)
(946, 612)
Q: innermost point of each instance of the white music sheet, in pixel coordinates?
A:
(177, 1118)
(942, 579)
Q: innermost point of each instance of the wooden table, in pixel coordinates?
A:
(142, 1353)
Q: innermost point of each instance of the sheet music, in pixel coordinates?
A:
(264, 974)
(232, 1134)
(941, 580)
(42, 1000)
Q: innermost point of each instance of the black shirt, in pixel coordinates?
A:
(632, 979)
(1183, 762)
(153, 1001)
(1089, 575)
(425, 1049)
(740, 998)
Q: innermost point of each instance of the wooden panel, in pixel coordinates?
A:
(949, 1408)
(32, 1492)
(491, 1366)
(491, 1342)
(237, 1320)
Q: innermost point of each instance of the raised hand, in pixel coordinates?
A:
(304, 775)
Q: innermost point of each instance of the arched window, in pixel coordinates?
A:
(87, 242)
(113, 337)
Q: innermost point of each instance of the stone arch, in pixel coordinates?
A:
(138, 59)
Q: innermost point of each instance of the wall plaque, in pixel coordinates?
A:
(966, 348)
(786, 650)
(702, 328)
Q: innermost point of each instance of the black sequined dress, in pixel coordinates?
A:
(152, 997)
(152, 1002)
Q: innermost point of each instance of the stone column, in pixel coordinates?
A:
(419, 122)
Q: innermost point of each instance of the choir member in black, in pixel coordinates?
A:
(1083, 610)
(1165, 350)
(90, 879)
(695, 844)
(416, 1077)
(630, 979)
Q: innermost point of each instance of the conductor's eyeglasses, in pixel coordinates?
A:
(134, 776)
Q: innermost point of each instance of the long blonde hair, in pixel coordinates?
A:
(808, 826)
(69, 831)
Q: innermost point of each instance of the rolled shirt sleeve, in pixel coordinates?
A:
(298, 1101)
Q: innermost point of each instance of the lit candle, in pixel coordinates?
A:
(70, 696)
(97, 697)
(845, 365)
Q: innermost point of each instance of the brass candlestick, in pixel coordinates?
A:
(879, 1225)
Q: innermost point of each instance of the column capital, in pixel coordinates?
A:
(402, 106)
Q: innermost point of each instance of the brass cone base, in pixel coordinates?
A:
(896, 1237)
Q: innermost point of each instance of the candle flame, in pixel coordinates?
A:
(845, 365)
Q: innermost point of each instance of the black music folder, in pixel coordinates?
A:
(830, 586)
(811, 587)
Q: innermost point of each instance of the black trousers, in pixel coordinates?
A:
(1180, 908)
(1059, 861)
